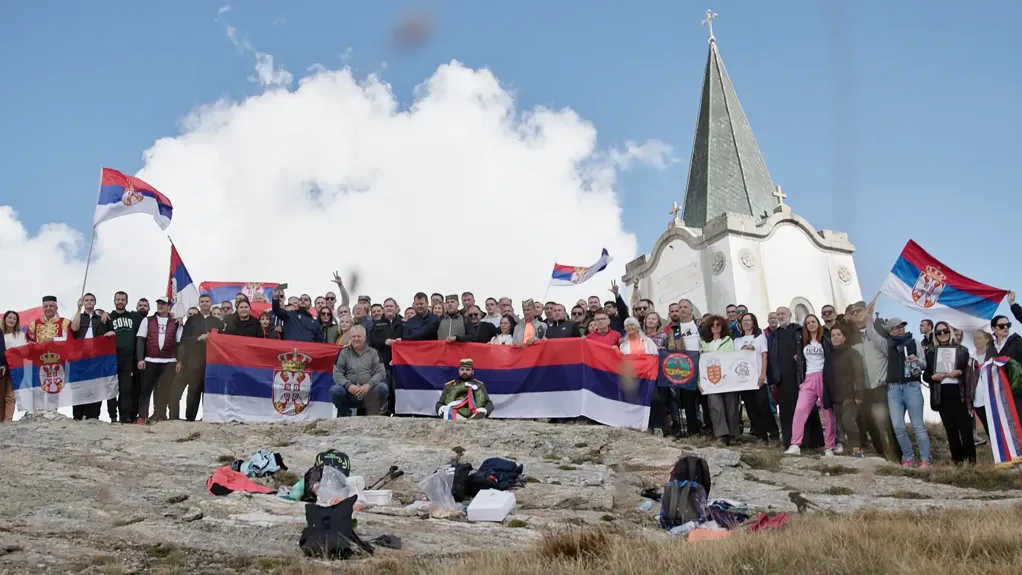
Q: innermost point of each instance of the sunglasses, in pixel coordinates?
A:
(328, 298)
(577, 314)
(1003, 325)
(473, 315)
(828, 312)
(641, 309)
(942, 332)
(325, 315)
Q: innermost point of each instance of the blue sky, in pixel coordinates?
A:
(886, 122)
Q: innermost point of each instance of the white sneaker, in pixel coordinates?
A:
(793, 450)
(828, 453)
(839, 449)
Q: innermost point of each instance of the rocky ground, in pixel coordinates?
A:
(91, 497)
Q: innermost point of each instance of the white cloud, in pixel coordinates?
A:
(268, 74)
(223, 10)
(459, 190)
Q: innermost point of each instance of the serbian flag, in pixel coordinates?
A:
(259, 294)
(937, 292)
(254, 379)
(573, 275)
(122, 195)
(1001, 412)
(181, 291)
(46, 376)
(26, 317)
(553, 378)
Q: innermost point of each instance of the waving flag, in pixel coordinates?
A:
(260, 294)
(181, 291)
(939, 293)
(555, 378)
(122, 195)
(573, 275)
(1001, 411)
(253, 379)
(46, 376)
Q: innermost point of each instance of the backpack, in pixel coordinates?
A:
(691, 468)
(682, 502)
(329, 533)
(459, 489)
(494, 473)
(314, 475)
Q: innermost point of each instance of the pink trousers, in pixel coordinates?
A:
(810, 394)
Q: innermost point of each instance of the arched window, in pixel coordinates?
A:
(800, 308)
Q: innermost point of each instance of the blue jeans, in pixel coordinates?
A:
(902, 397)
(344, 401)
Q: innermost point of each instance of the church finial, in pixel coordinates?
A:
(780, 196)
(674, 212)
(708, 22)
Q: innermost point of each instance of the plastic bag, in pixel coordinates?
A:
(437, 488)
(333, 487)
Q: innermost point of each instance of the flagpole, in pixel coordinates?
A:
(549, 285)
(92, 240)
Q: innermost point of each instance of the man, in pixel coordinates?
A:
(593, 305)
(88, 324)
(319, 303)
(829, 316)
(142, 307)
(299, 324)
(477, 331)
(359, 378)
(465, 397)
(156, 345)
(422, 318)
(926, 329)
(904, 396)
(683, 333)
(603, 333)
(50, 327)
(447, 328)
(436, 298)
(467, 300)
(874, 412)
(580, 317)
(530, 330)
(506, 308)
(771, 323)
(375, 312)
(617, 310)
(731, 311)
(559, 327)
(547, 315)
(386, 331)
(493, 314)
(191, 369)
(227, 307)
(360, 314)
(785, 370)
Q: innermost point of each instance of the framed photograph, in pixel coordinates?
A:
(945, 359)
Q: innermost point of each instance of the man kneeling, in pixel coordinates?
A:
(465, 397)
(359, 377)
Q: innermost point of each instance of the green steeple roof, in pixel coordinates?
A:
(727, 173)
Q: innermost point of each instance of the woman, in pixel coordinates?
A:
(757, 403)
(635, 342)
(13, 337)
(980, 341)
(244, 323)
(266, 324)
(343, 330)
(848, 388)
(330, 329)
(666, 398)
(1004, 343)
(217, 312)
(438, 309)
(950, 393)
(725, 412)
(813, 392)
(652, 326)
(505, 337)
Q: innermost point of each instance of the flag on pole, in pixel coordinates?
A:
(181, 291)
(930, 288)
(573, 275)
(122, 195)
(1001, 411)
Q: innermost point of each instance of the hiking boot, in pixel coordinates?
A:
(793, 450)
(828, 453)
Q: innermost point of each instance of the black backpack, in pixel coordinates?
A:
(494, 473)
(314, 475)
(329, 533)
(682, 501)
(691, 468)
(459, 489)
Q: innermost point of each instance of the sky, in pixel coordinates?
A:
(296, 139)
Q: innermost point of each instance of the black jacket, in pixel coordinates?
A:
(562, 329)
(775, 368)
(481, 332)
(246, 327)
(198, 325)
(98, 327)
(429, 331)
(1012, 348)
(382, 330)
(898, 350)
(3, 351)
(962, 359)
(617, 322)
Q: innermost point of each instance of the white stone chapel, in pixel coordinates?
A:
(735, 241)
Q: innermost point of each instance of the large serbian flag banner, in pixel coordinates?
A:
(1001, 411)
(122, 195)
(260, 294)
(253, 379)
(554, 378)
(937, 292)
(45, 376)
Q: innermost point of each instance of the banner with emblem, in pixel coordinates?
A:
(679, 369)
(46, 376)
(253, 379)
(728, 371)
(259, 294)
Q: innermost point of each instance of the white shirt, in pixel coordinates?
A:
(689, 335)
(756, 343)
(143, 331)
(88, 332)
(503, 339)
(16, 339)
(494, 319)
(814, 357)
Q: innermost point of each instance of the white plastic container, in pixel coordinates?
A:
(491, 505)
(375, 496)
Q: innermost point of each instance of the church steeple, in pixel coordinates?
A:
(727, 173)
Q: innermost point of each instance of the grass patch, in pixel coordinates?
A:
(837, 490)
(581, 445)
(282, 478)
(607, 518)
(190, 437)
(982, 477)
(516, 524)
(903, 494)
(833, 470)
(225, 459)
(314, 429)
(531, 479)
(567, 467)
(763, 459)
(551, 456)
(128, 521)
(282, 443)
(161, 550)
(591, 456)
(175, 499)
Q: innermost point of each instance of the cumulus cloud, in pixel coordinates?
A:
(460, 190)
(222, 10)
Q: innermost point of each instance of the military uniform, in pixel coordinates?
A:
(464, 399)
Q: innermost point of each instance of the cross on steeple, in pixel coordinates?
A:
(780, 196)
(675, 210)
(708, 22)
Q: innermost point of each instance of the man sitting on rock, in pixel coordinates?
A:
(465, 397)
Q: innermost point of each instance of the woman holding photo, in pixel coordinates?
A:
(950, 393)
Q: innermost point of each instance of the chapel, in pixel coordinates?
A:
(735, 240)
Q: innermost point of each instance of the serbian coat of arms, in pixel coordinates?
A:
(579, 274)
(929, 286)
(51, 373)
(130, 197)
(254, 292)
(292, 386)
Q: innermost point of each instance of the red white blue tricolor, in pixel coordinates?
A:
(573, 275)
(181, 290)
(122, 195)
(45, 376)
(1001, 411)
(928, 287)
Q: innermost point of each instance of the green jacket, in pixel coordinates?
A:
(456, 391)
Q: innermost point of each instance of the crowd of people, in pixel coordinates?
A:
(863, 374)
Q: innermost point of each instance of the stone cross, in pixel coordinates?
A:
(708, 22)
(780, 196)
(674, 211)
